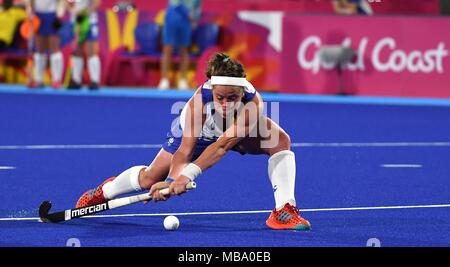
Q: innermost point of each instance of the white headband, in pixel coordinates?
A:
(235, 81)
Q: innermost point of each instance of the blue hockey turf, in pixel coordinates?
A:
(366, 168)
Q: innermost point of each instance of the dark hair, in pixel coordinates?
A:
(222, 65)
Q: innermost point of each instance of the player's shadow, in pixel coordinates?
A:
(113, 228)
(110, 228)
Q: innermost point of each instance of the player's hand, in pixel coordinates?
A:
(154, 191)
(178, 186)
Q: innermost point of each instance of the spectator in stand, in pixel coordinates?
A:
(181, 18)
(10, 18)
(50, 13)
(352, 7)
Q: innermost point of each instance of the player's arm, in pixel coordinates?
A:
(245, 123)
(191, 132)
(182, 157)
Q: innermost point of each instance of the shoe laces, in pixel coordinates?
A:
(92, 193)
(293, 211)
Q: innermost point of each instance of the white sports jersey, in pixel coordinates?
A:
(210, 129)
(46, 6)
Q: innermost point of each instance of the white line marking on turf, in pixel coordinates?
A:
(43, 147)
(7, 168)
(157, 146)
(243, 212)
(401, 165)
(374, 144)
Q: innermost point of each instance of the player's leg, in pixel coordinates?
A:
(93, 64)
(166, 62)
(134, 179)
(138, 178)
(184, 35)
(157, 170)
(91, 48)
(46, 41)
(169, 38)
(40, 60)
(272, 140)
(269, 139)
(40, 56)
(184, 65)
(77, 67)
(56, 60)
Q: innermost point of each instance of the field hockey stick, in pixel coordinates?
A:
(70, 214)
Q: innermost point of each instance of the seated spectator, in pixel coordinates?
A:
(352, 7)
(10, 18)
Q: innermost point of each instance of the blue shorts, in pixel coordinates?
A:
(92, 35)
(172, 144)
(177, 28)
(93, 30)
(46, 27)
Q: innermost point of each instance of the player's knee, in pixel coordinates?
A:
(147, 178)
(284, 142)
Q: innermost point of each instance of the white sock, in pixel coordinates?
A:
(40, 63)
(282, 176)
(94, 67)
(126, 182)
(56, 66)
(183, 84)
(164, 84)
(77, 69)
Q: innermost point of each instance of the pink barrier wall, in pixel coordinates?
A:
(304, 6)
(396, 56)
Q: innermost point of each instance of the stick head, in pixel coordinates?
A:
(44, 208)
